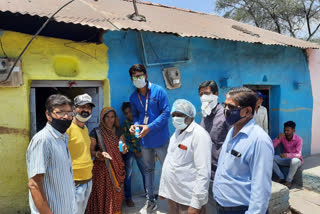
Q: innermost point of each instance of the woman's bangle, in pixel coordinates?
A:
(97, 155)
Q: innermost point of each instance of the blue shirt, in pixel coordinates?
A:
(48, 154)
(245, 180)
(158, 112)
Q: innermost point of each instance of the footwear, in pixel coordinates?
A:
(129, 203)
(151, 206)
(288, 184)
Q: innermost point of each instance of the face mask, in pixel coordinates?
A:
(232, 116)
(83, 117)
(208, 103)
(139, 83)
(61, 125)
(178, 123)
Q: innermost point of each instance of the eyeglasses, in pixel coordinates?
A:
(231, 107)
(138, 77)
(63, 113)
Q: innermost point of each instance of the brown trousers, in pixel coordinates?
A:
(176, 208)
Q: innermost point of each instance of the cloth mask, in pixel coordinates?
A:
(139, 83)
(83, 119)
(61, 125)
(178, 123)
(208, 103)
(232, 116)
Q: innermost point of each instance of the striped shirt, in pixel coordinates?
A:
(48, 154)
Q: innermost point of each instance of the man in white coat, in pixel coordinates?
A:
(186, 170)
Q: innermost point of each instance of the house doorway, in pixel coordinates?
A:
(41, 90)
(265, 90)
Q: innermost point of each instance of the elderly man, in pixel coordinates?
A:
(242, 182)
(261, 113)
(214, 121)
(186, 170)
(79, 147)
(48, 160)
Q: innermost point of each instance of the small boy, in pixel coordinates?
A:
(134, 152)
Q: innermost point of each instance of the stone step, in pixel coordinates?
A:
(303, 201)
(279, 201)
(308, 175)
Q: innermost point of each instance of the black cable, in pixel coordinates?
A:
(34, 36)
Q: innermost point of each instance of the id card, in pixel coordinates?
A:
(145, 120)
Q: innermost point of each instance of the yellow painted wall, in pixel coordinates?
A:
(37, 64)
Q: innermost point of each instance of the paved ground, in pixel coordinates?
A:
(303, 201)
(139, 208)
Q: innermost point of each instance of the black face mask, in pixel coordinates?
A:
(61, 125)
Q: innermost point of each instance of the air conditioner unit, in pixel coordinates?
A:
(15, 78)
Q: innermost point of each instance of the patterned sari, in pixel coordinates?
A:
(104, 198)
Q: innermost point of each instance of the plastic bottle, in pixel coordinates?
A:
(137, 132)
(120, 146)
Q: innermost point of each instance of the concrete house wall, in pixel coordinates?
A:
(229, 63)
(38, 63)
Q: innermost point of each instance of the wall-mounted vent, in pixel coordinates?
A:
(243, 30)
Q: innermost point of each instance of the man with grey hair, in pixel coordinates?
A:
(51, 186)
(187, 167)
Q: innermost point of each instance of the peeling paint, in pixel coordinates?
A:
(7, 130)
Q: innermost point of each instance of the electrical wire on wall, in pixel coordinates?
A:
(33, 37)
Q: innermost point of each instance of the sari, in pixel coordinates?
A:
(104, 198)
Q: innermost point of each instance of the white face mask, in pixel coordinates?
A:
(178, 123)
(82, 119)
(208, 103)
(139, 83)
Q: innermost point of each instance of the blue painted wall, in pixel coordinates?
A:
(229, 63)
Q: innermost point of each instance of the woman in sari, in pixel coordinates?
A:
(108, 178)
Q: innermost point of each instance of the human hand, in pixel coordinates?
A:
(145, 130)
(281, 135)
(124, 149)
(192, 210)
(103, 156)
(283, 155)
(132, 129)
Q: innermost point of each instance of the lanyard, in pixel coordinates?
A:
(147, 101)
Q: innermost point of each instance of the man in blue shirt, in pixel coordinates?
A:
(242, 182)
(151, 111)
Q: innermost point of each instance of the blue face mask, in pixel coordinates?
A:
(232, 116)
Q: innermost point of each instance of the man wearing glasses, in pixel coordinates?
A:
(242, 183)
(150, 111)
(48, 161)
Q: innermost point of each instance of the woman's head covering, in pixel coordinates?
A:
(185, 107)
(105, 111)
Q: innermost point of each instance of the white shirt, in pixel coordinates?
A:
(186, 173)
(261, 118)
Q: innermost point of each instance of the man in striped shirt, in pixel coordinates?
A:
(51, 186)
